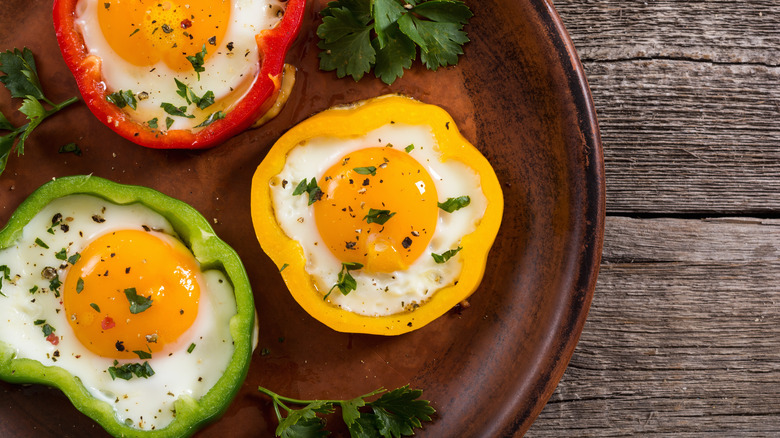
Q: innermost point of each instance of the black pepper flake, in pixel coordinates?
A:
(447, 125)
(166, 28)
(407, 242)
(65, 227)
(213, 41)
(113, 254)
(127, 270)
(365, 182)
(409, 324)
(105, 274)
(98, 218)
(120, 346)
(415, 233)
(56, 353)
(351, 181)
(230, 46)
(284, 183)
(57, 218)
(181, 311)
(351, 245)
(146, 228)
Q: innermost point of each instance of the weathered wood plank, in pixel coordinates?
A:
(722, 31)
(682, 134)
(682, 336)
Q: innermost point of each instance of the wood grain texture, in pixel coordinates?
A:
(688, 98)
(682, 337)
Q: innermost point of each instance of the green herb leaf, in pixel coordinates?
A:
(370, 170)
(6, 275)
(127, 371)
(176, 111)
(70, 148)
(378, 216)
(47, 329)
(190, 348)
(168, 122)
(41, 243)
(284, 266)
(454, 204)
(123, 98)
(143, 354)
(152, 123)
(346, 282)
(138, 303)
(186, 92)
(74, 258)
(311, 188)
(198, 60)
(33, 289)
(95, 306)
(358, 35)
(409, 148)
(21, 75)
(392, 415)
(62, 255)
(54, 285)
(211, 119)
(446, 255)
(80, 286)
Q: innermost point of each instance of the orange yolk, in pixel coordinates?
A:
(143, 33)
(401, 192)
(112, 320)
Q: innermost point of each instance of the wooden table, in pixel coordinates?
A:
(683, 336)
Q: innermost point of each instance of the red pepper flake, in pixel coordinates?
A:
(54, 339)
(186, 23)
(107, 323)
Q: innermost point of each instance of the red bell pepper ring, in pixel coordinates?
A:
(272, 45)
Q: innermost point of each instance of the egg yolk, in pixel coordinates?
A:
(379, 208)
(143, 33)
(131, 290)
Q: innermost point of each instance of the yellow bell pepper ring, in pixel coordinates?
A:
(351, 124)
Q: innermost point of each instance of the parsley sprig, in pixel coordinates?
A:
(357, 35)
(396, 413)
(346, 282)
(21, 79)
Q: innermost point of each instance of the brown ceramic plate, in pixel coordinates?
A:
(519, 94)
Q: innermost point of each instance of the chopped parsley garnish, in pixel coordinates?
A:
(176, 111)
(378, 216)
(62, 255)
(138, 303)
(446, 255)
(211, 119)
(409, 148)
(123, 98)
(34, 289)
(358, 35)
(168, 122)
(143, 354)
(370, 170)
(70, 148)
(41, 243)
(80, 286)
(152, 123)
(127, 371)
(6, 271)
(311, 188)
(47, 329)
(190, 348)
(95, 306)
(198, 60)
(284, 266)
(21, 79)
(186, 92)
(74, 258)
(54, 285)
(346, 282)
(135, 32)
(396, 413)
(453, 204)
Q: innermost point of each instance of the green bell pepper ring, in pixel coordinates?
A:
(212, 253)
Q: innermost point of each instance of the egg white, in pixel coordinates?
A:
(142, 403)
(379, 293)
(225, 70)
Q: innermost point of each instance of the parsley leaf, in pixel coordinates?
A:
(123, 98)
(138, 303)
(127, 371)
(21, 79)
(311, 188)
(454, 204)
(211, 118)
(70, 148)
(6, 271)
(446, 255)
(392, 415)
(378, 216)
(143, 354)
(370, 170)
(186, 92)
(346, 282)
(358, 35)
(198, 60)
(95, 306)
(175, 111)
